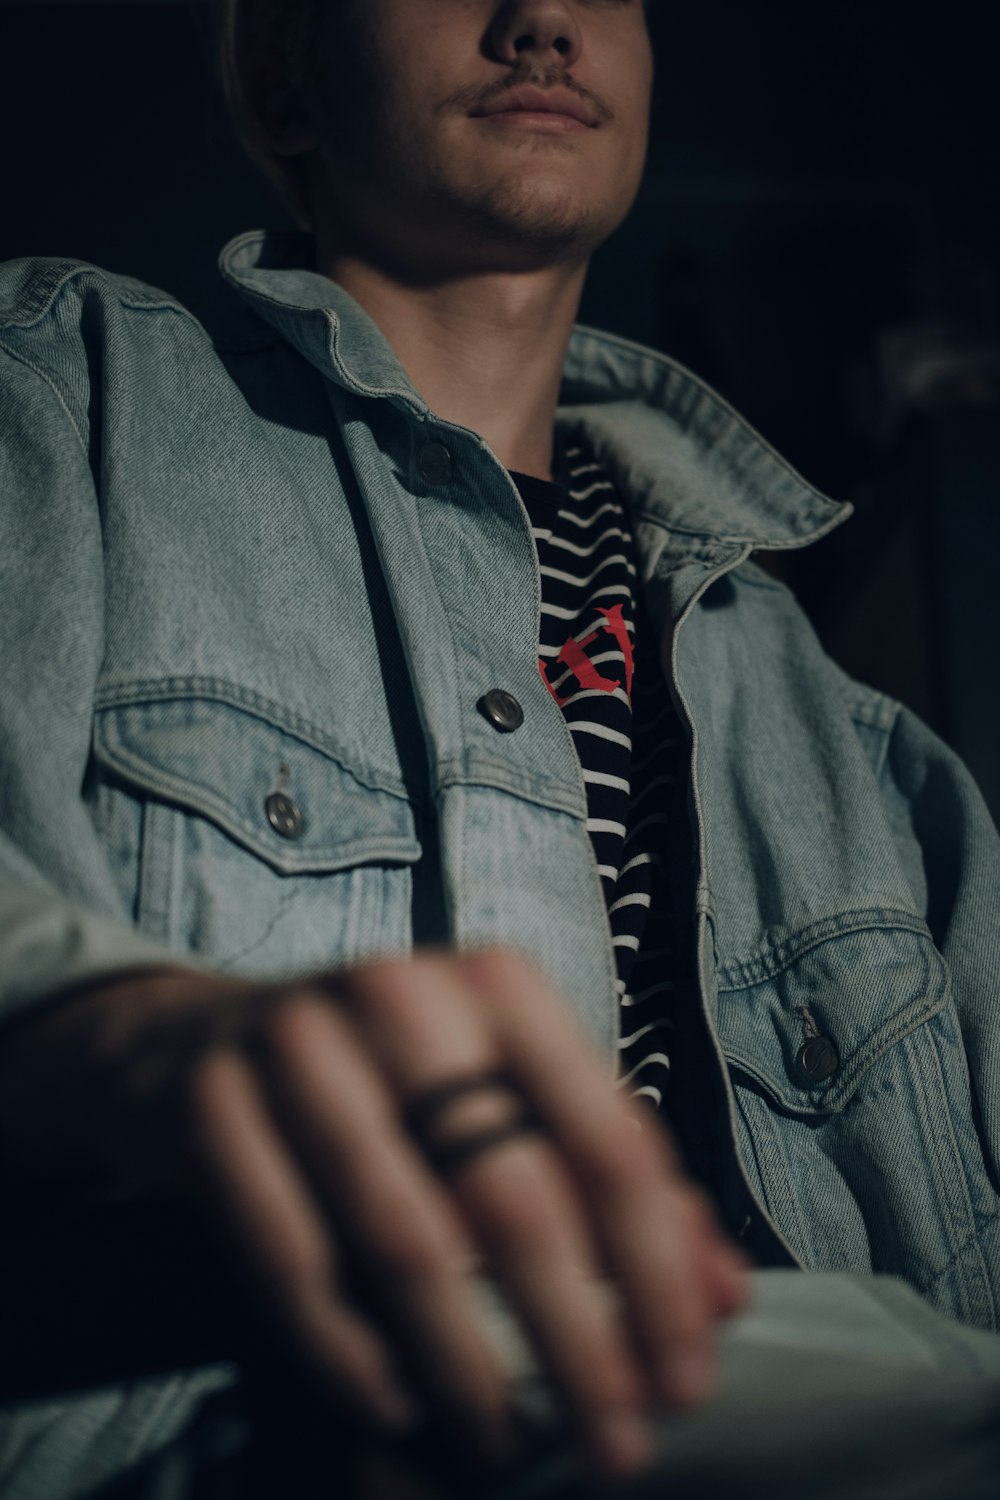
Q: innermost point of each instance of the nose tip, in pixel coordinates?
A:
(530, 43)
(545, 29)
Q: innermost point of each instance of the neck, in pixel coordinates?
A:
(484, 350)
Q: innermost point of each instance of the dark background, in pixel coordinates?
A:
(818, 237)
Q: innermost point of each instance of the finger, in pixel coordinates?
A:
(517, 1199)
(267, 1213)
(725, 1265)
(410, 1245)
(527, 1216)
(629, 1179)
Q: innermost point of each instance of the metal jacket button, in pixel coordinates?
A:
(434, 463)
(283, 816)
(817, 1060)
(502, 709)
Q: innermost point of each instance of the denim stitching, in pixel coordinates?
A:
(975, 1237)
(746, 974)
(285, 900)
(43, 375)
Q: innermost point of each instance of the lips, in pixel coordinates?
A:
(556, 101)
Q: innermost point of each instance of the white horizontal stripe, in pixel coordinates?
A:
(602, 778)
(559, 613)
(591, 548)
(607, 872)
(648, 1091)
(591, 489)
(605, 825)
(587, 726)
(584, 522)
(625, 940)
(658, 1057)
(550, 653)
(617, 693)
(584, 468)
(595, 661)
(582, 580)
(626, 1041)
(578, 635)
(639, 859)
(637, 898)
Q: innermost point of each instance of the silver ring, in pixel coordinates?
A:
(446, 1155)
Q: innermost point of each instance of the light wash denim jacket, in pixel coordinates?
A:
(240, 556)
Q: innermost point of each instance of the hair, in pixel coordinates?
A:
(291, 25)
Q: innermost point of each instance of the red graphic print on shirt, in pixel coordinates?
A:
(573, 655)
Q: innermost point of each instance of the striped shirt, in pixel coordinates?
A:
(598, 657)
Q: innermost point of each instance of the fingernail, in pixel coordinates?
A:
(624, 1442)
(690, 1375)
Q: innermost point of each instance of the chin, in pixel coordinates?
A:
(544, 217)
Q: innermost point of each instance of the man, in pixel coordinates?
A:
(399, 745)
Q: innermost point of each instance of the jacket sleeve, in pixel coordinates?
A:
(950, 850)
(61, 918)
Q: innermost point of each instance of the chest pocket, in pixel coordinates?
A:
(247, 842)
(854, 1109)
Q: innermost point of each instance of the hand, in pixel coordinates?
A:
(284, 1106)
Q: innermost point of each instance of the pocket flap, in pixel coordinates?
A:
(272, 790)
(807, 1030)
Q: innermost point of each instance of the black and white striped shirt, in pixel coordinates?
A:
(599, 659)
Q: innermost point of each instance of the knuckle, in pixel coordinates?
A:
(290, 1025)
(499, 967)
(383, 992)
(411, 1252)
(517, 1222)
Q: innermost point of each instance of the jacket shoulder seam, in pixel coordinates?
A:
(872, 708)
(54, 277)
(881, 716)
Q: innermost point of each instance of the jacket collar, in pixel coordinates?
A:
(680, 454)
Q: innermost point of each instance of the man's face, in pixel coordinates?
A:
(422, 162)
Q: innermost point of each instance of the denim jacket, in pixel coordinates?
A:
(243, 561)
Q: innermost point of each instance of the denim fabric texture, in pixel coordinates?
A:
(231, 566)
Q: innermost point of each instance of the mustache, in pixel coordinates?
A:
(477, 95)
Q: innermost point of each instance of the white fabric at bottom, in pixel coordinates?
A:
(833, 1387)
